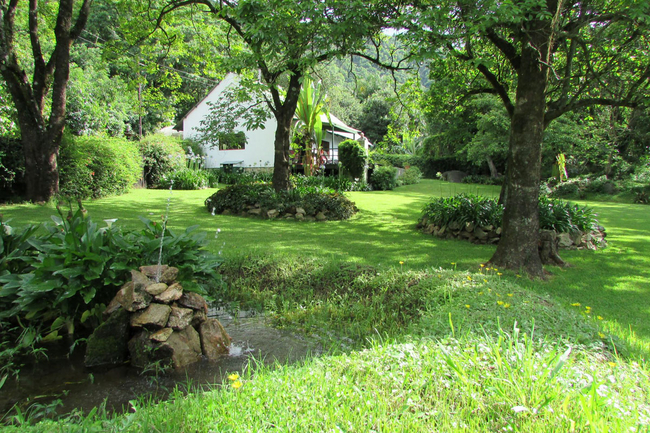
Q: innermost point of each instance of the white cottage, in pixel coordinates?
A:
(257, 149)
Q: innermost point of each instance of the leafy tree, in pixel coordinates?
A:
(560, 56)
(284, 40)
(40, 102)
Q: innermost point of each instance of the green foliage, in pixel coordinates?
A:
(463, 208)
(97, 103)
(411, 176)
(63, 278)
(162, 156)
(237, 177)
(336, 183)
(375, 118)
(93, 167)
(563, 217)
(12, 168)
(554, 214)
(483, 180)
(238, 198)
(185, 179)
(396, 159)
(384, 178)
(353, 157)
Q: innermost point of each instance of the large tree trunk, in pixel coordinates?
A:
(281, 169)
(284, 113)
(518, 247)
(41, 172)
(41, 138)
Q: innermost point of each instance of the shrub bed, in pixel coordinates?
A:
(261, 200)
(478, 219)
(384, 178)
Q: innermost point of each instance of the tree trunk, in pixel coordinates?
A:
(41, 172)
(518, 247)
(281, 170)
(284, 113)
(493, 169)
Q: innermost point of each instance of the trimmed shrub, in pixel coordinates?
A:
(93, 167)
(241, 177)
(242, 198)
(162, 156)
(353, 157)
(384, 178)
(554, 214)
(335, 183)
(185, 179)
(483, 180)
(412, 175)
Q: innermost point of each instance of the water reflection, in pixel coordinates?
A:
(68, 380)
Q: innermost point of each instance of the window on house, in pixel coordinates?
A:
(232, 140)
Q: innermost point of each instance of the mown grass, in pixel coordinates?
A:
(442, 344)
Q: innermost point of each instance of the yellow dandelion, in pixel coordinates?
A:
(401, 262)
(236, 384)
(484, 280)
(601, 335)
(506, 305)
(587, 308)
(518, 276)
(499, 273)
(510, 294)
(495, 269)
(466, 305)
(469, 278)
(499, 302)
(600, 317)
(480, 293)
(612, 364)
(453, 263)
(233, 376)
(482, 265)
(575, 304)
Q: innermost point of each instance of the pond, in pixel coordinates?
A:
(67, 380)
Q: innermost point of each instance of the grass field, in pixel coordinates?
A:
(453, 376)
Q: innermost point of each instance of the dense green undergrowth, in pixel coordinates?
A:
(468, 351)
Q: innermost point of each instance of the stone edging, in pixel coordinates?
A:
(592, 240)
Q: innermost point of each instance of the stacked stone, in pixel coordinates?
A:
(489, 234)
(156, 322)
(296, 213)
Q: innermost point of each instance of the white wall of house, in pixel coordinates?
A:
(259, 149)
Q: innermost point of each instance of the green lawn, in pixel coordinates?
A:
(423, 380)
(615, 281)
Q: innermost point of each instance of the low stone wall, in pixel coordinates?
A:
(155, 322)
(296, 213)
(491, 235)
